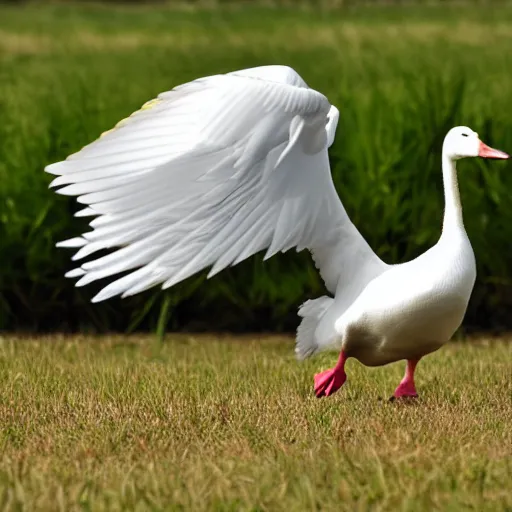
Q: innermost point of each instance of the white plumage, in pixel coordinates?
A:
(221, 168)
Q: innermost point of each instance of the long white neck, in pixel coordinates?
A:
(452, 206)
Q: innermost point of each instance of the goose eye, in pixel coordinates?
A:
(465, 135)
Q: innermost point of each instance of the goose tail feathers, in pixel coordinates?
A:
(311, 312)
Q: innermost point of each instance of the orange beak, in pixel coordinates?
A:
(486, 152)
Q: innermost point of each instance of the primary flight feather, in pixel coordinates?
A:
(218, 169)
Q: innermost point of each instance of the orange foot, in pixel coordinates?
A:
(329, 381)
(406, 388)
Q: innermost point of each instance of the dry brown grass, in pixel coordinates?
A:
(205, 423)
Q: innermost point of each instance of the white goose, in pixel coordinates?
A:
(226, 166)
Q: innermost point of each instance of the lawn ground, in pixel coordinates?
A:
(223, 423)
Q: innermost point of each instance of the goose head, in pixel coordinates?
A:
(462, 142)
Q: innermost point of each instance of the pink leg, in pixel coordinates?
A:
(326, 383)
(406, 388)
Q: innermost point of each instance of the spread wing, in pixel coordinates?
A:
(209, 174)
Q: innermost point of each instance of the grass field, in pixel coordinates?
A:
(400, 76)
(224, 424)
(229, 424)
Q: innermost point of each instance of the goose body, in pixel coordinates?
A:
(223, 167)
(411, 309)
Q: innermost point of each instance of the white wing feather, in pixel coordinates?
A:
(209, 174)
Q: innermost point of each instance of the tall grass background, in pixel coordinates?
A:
(400, 76)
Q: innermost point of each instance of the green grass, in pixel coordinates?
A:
(401, 77)
(225, 424)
